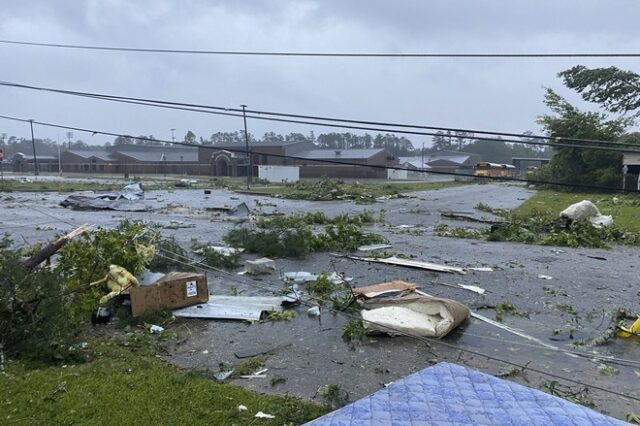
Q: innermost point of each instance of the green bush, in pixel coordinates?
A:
(35, 313)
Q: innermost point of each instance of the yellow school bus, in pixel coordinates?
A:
(486, 169)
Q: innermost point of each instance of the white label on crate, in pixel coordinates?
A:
(192, 288)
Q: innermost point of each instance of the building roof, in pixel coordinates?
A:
(254, 144)
(40, 157)
(100, 154)
(340, 154)
(450, 156)
(414, 164)
(167, 154)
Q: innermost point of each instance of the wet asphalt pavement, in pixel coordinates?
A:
(309, 352)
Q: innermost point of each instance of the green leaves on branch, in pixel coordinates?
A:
(296, 236)
(614, 89)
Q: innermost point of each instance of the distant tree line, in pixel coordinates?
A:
(495, 151)
(399, 146)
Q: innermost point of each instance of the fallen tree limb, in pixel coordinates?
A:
(51, 248)
(618, 315)
(457, 216)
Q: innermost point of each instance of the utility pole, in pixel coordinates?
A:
(59, 159)
(173, 135)
(423, 176)
(35, 156)
(246, 142)
(3, 136)
(69, 136)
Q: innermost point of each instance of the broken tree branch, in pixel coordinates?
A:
(51, 249)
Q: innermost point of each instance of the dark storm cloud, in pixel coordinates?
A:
(490, 94)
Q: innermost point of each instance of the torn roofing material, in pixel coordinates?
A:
(392, 288)
(411, 264)
(414, 315)
(83, 202)
(247, 308)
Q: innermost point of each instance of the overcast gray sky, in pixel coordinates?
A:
(495, 94)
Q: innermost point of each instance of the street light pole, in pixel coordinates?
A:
(35, 156)
(246, 142)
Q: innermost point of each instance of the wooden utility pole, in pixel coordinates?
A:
(35, 156)
(246, 142)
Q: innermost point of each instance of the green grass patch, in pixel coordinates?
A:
(625, 209)
(537, 221)
(120, 387)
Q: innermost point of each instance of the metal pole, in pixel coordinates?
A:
(246, 142)
(3, 137)
(59, 163)
(35, 156)
(173, 136)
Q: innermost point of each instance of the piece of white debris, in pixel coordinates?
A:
(473, 288)
(242, 408)
(155, 329)
(262, 415)
(205, 352)
(545, 277)
(314, 311)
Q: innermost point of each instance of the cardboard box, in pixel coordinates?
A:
(174, 290)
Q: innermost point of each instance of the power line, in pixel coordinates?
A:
(236, 112)
(335, 162)
(326, 54)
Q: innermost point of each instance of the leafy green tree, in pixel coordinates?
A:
(578, 165)
(123, 140)
(614, 89)
(272, 137)
(440, 142)
(190, 138)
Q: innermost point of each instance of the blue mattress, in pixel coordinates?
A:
(448, 394)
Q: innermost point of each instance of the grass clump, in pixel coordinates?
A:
(248, 366)
(506, 308)
(443, 230)
(333, 395)
(483, 207)
(354, 331)
(322, 287)
(285, 315)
